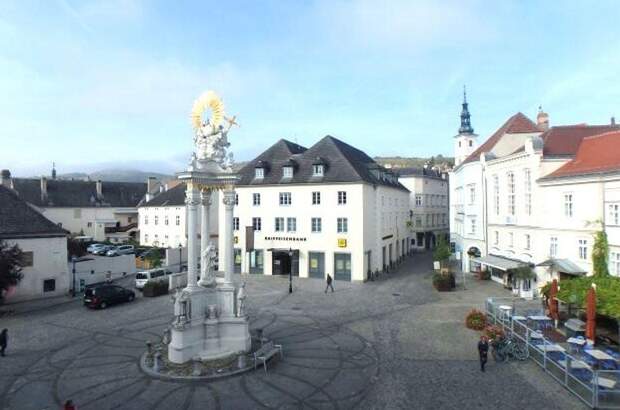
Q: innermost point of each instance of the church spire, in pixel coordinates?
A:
(53, 170)
(466, 127)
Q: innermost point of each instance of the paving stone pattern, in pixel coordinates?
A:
(390, 344)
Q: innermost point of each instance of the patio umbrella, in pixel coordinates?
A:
(553, 301)
(591, 313)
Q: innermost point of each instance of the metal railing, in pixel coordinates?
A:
(596, 388)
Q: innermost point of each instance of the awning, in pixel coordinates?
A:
(564, 266)
(499, 262)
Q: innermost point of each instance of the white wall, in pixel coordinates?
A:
(49, 262)
(95, 270)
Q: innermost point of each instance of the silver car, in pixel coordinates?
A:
(121, 250)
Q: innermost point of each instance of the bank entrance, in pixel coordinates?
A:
(285, 261)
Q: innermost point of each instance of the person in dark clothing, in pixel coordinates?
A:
(483, 351)
(329, 283)
(69, 405)
(4, 340)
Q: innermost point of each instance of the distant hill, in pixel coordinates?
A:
(415, 162)
(116, 175)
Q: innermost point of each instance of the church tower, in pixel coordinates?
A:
(465, 141)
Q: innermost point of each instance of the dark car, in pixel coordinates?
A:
(103, 250)
(103, 296)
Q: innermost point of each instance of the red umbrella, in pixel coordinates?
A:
(553, 301)
(591, 313)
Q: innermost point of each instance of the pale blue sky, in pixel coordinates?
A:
(94, 84)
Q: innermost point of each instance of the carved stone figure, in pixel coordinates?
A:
(241, 300)
(182, 308)
(209, 257)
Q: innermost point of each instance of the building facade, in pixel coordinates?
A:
(428, 205)
(328, 209)
(43, 243)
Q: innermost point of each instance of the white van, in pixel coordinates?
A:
(158, 274)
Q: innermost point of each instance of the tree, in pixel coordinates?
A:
(154, 258)
(442, 251)
(11, 263)
(600, 254)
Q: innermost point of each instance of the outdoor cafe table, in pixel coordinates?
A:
(541, 322)
(536, 335)
(599, 354)
(574, 340)
(575, 364)
(551, 348)
(607, 383)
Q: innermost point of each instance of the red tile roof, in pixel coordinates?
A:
(565, 140)
(517, 124)
(598, 153)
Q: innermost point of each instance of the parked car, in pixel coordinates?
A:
(103, 250)
(151, 275)
(121, 250)
(102, 296)
(94, 247)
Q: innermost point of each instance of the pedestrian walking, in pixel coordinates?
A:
(483, 351)
(329, 283)
(69, 405)
(4, 341)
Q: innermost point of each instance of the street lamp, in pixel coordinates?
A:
(73, 260)
(180, 257)
(290, 271)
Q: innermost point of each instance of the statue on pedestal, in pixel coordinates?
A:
(209, 255)
(241, 300)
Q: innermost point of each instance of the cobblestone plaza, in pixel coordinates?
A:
(390, 344)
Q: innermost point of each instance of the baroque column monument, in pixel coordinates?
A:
(209, 317)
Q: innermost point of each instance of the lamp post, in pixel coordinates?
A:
(73, 260)
(290, 271)
(180, 257)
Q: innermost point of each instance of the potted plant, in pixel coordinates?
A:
(152, 289)
(443, 283)
(444, 280)
(475, 320)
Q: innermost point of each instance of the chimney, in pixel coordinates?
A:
(5, 179)
(542, 119)
(151, 188)
(99, 189)
(44, 190)
(613, 121)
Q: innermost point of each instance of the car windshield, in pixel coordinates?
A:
(141, 275)
(89, 292)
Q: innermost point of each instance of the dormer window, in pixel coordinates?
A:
(287, 172)
(317, 170)
(259, 173)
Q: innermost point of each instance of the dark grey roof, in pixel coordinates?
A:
(174, 196)
(63, 193)
(343, 163)
(19, 220)
(417, 171)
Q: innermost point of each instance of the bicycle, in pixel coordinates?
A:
(508, 348)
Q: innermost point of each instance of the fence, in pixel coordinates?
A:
(596, 388)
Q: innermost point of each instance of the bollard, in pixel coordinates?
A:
(241, 362)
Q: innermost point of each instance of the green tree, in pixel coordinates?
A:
(11, 263)
(600, 254)
(442, 251)
(154, 258)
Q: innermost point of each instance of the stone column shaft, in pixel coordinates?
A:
(192, 199)
(204, 235)
(229, 204)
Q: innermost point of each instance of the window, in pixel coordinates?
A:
(317, 170)
(527, 177)
(433, 220)
(511, 239)
(459, 144)
(496, 238)
(236, 199)
(316, 198)
(287, 172)
(166, 220)
(568, 205)
(279, 224)
(236, 223)
(129, 219)
(614, 214)
(342, 197)
(255, 199)
(472, 194)
(316, 225)
(77, 213)
(259, 173)
(472, 226)
(510, 181)
(343, 225)
(418, 221)
(496, 194)
(285, 198)
(28, 259)
(89, 224)
(418, 200)
(146, 238)
(528, 241)
(553, 246)
(59, 224)
(471, 143)
(49, 285)
(614, 263)
(256, 224)
(146, 219)
(177, 220)
(291, 224)
(156, 219)
(583, 249)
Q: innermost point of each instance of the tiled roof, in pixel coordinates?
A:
(19, 220)
(64, 193)
(417, 171)
(174, 196)
(564, 140)
(596, 154)
(343, 163)
(517, 124)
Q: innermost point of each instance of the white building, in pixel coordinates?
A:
(43, 243)
(100, 210)
(326, 209)
(528, 217)
(163, 220)
(428, 205)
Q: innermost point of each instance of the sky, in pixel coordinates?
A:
(92, 85)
